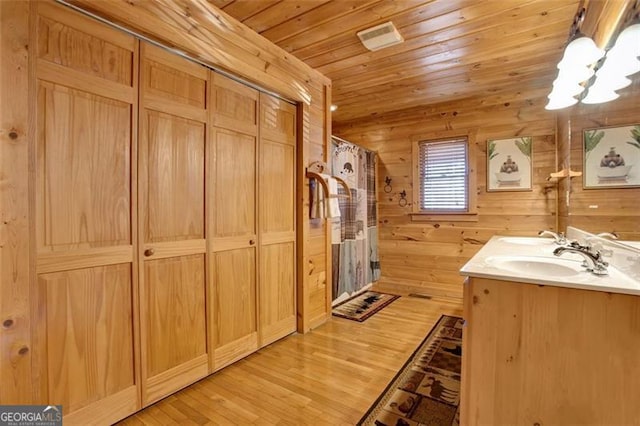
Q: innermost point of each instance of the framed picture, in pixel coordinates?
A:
(509, 164)
(611, 157)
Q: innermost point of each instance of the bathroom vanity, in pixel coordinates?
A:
(547, 343)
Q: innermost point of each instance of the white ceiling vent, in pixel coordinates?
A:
(380, 36)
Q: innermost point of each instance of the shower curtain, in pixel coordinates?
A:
(354, 236)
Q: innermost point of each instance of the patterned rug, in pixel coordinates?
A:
(362, 306)
(426, 391)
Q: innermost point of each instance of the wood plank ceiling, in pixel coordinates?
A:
(453, 49)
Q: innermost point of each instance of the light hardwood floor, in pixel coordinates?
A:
(329, 376)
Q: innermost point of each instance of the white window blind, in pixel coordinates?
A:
(444, 177)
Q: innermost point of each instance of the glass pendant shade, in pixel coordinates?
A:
(560, 102)
(576, 74)
(608, 78)
(581, 51)
(623, 63)
(615, 83)
(565, 86)
(579, 62)
(628, 41)
(599, 94)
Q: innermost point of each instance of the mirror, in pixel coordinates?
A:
(582, 236)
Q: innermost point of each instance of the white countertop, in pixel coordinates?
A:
(536, 264)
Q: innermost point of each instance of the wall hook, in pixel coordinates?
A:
(403, 198)
(387, 186)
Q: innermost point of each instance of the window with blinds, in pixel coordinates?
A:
(444, 176)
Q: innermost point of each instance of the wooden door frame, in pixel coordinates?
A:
(305, 323)
(302, 219)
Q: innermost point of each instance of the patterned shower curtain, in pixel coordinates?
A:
(354, 234)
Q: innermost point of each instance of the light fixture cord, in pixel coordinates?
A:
(577, 20)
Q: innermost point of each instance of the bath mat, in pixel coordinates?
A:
(426, 391)
(362, 306)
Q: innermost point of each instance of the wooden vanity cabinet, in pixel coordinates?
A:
(547, 355)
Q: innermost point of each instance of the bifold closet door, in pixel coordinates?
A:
(277, 194)
(85, 207)
(233, 220)
(173, 117)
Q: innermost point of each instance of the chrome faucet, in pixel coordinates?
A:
(608, 235)
(595, 243)
(593, 261)
(558, 237)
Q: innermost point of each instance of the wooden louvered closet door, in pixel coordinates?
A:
(84, 345)
(173, 131)
(233, 220)
(277, 276)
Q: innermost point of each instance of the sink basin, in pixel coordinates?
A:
(536, 266)
(530, 260)
(526, 241)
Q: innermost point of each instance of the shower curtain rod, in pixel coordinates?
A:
(346, 141)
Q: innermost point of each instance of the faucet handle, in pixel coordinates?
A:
(608, 235)
(599, 269)
(576, 245)
(597, 245)
(558, 237)
(600, 260)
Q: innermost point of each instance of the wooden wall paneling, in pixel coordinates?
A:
(217, 39)
(305, 224)
(501, 114)
(316, 266)
(17, 353)
(277, 219)
(603, 18)
(408, 249)
(232, 231)
(498, 100)
(173, 118)
(329, 246)
(85, 216)
(400, 103)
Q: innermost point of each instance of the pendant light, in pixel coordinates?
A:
(599, 95)
(580, 52)
(582, 59)
(574, 68)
